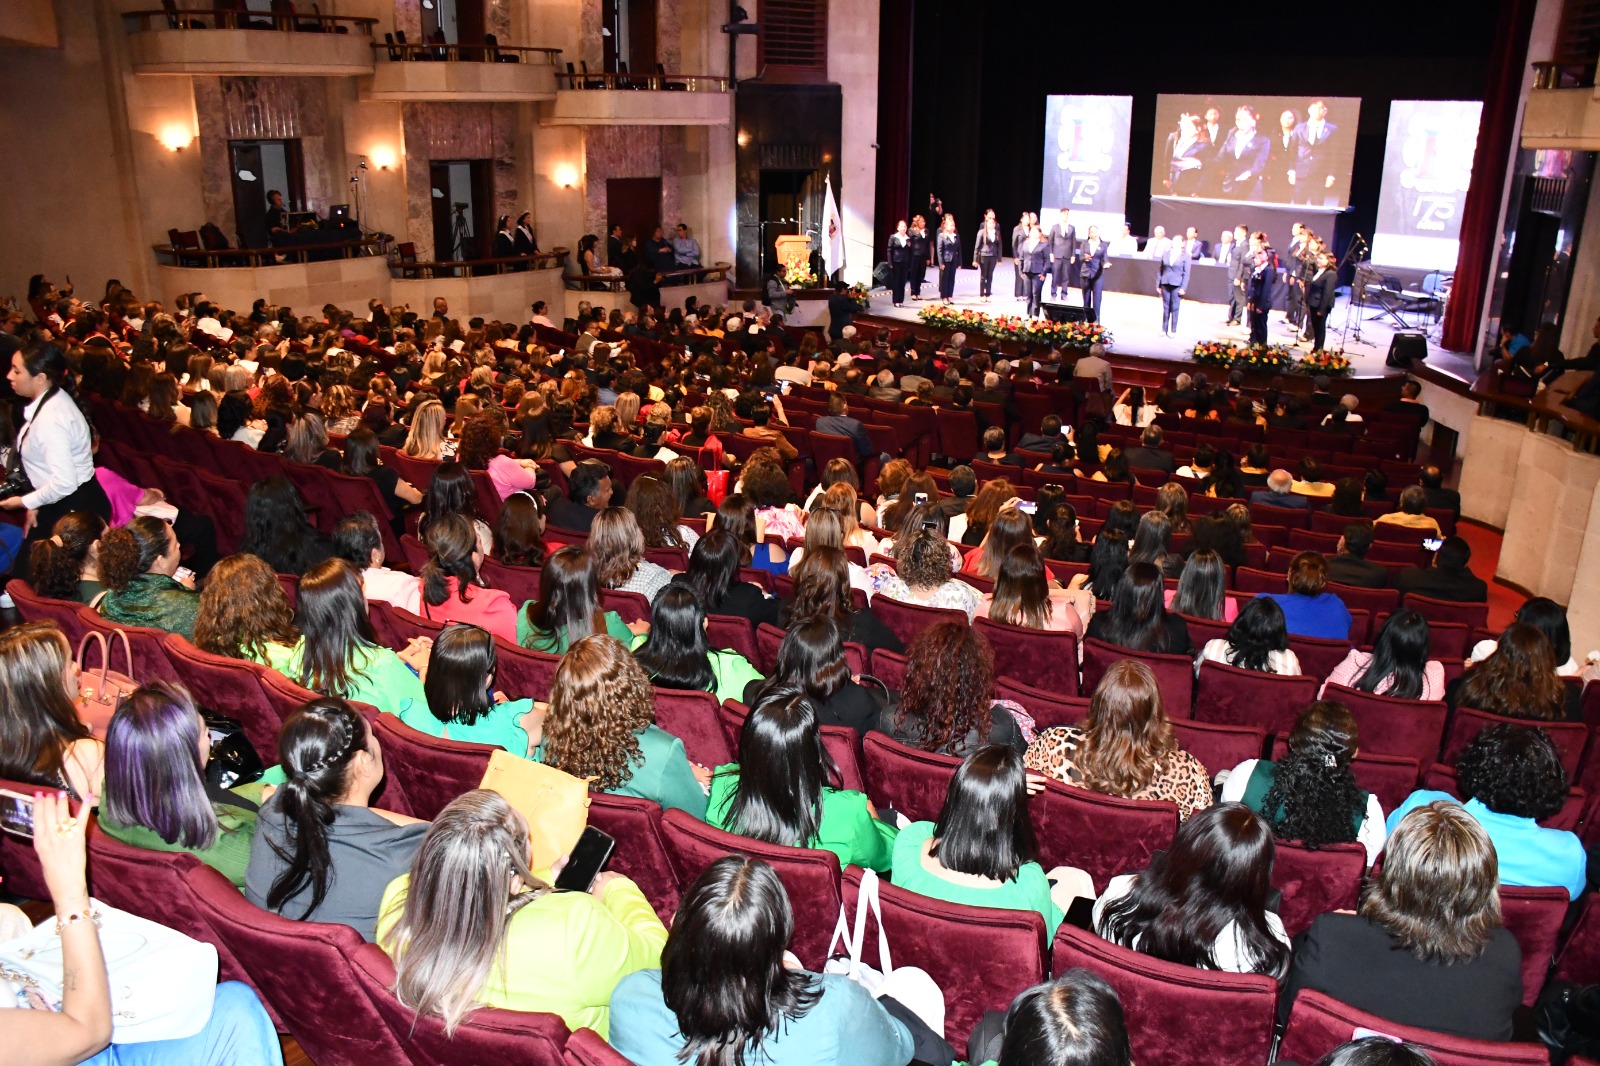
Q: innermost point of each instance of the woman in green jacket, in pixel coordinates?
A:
(601, 725)
(675, 653)
(779, 792)
(462, 703)
(137, 563)
(470, 925)
(568, 608)
(156, 795)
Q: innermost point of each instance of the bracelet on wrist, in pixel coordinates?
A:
(87, 913)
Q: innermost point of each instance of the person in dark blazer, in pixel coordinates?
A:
(1239, 275)
(614, 246)
(1035, 261)
(1321, 294)
(505, 238)
(1448, 578)
(841, 309)
(1262, 285)
(526, 242)
(1281, 157)
(921, 254)
(1092, 272)
(1243, 156)
(1063, 251)
(947, 256)
(986, 255)
(899, 262)
(1019, 234)
(1278, 494)
(1172, 279)
(1186, 153)
(1294, 261)
(1222, 251)
(1432, 479)
(1149, 453)
(837, 422)
(1349, 565)
(1319, 141)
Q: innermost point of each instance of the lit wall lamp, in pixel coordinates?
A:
(383, 158)
(175, 138)
(566, 175)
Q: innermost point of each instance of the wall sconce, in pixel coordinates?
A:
(383, 158)
(175, 138)
(566, 175)
(743, 138)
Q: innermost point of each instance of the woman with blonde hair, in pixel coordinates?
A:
(840, 498)
(42, 740)
(468, 407)
(1126, 747)
(339, 411)
(601, 725)
(426, 439)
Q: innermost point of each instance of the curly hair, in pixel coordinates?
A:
(1515, 770)
(948, 687)
(656, 510)
(243, 609)
(923, 561)
(1314, 797)
(57, 562)
(600, 701)
(130, 550)
(480, 442)
(766, 485)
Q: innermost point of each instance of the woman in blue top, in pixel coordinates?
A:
(728, 991)
(1512, 777)
(462, 703)
(1309, 610)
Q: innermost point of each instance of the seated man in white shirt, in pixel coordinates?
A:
(357, 540)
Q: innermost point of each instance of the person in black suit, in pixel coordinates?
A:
(899, 262)
(1239, 268)
(614, 246)
(1092, 272)
(1019, 234)
(1149, 454)
(1263, 279)
(1313, 176)
(1035, 261)
(1448, 578)
(1433, 490)
(1063, 249)
(526, 242)
(1293, 295)
(1172, 279)
(837, 422)
(505, 238)
(1243, 156)
(1349, 565)
(1321, 293)
(1278, 492)
(947, 255)
(1408, 404)
(841, 309)
(1281, 158)
(588, 493)
(277, 214)
(1186, 152)
(986, 255)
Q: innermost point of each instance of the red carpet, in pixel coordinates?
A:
(1503, 601)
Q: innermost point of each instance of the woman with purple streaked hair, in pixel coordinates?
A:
(156, 793)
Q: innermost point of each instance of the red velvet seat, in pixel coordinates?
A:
(1389, 777)
(1319, 1023)
(1264, 514)
(36, 608)
(1174, 673)
(1252, 581)
(1101, 835)
(1047, 708)
(1471, 615)
(984, 956)
(1178, 1015)
(1317, 656)
(1219, 747)
(1045, 660)
(839, 741)
(303, 969)
(906, 620)
(641, 852)
(1467, 722)
(811, 877)
(229, 687)
(431, 771)
(889, 667)
(907, 780)
(1202, 630)
(732, 633)
(413, 552)
(631, 606)
(692, 718)
(586, 1048)
(958, 433)
(1233, 696)
(521, 583)
(486, 1035)
(1579, 958)
(1316, 881)
(1390, 726)
(1534, 916)
(1375, 601)
(150, 662)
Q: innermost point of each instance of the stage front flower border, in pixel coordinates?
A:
(1270, 358)
(1015, 327)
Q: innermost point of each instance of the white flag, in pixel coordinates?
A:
(832, 232)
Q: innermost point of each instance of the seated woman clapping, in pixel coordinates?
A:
(728, 991)
(470, 925)
(778, 790)
(1203, 901)
(462, 703)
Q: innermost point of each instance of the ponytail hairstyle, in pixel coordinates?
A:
(57, 562)
(130, 550)
(452, 540)
(315, 747)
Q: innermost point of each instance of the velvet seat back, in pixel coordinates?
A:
(1569, 738)
(1316, 881)
(839, 741)
(1174, 673)
(1231, 696)
(228, 687)
(641, 851)
(1178, 1015)
(1044, 660)
(433, 771)
(692, 718)
(1534, 916)
(1219, 747)
(811, 877)
(905, 779)
(731, 633)
(524, 674)
(1101, 835)
(906, 620)
(587, 1048)
(1319, 1023)
(36, 608)
(150, 662)
(1579, 959)
(1047, 708)
(521, 583)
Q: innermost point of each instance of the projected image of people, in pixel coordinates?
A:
(1264, 149)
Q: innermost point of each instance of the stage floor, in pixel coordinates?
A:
(1135, 324)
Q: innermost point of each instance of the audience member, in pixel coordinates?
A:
(462, 703)
(42, 739)
(1257, 640)
(568, 608)
(1448, 578)
(1349, 566)
(1309, 609)
(138, 565)
(1138, 619)
(1398, 664)
(675, 653)
(452, 590)
(945, 703)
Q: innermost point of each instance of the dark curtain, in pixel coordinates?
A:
(893, 193)
(1481, 213)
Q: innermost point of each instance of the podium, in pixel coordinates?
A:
(792, 246)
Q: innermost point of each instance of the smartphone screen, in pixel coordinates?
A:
(920, 498)
(586, 861)
(1028, 507)
(1433, 544)
(16, 813)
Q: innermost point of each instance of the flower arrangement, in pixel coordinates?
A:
(1016, 327)
(861, 295)
(1234, 356)
(797, 274)
(951, 317)
(1334, 364)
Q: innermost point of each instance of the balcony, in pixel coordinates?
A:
(661, 99)
(219, 41)
(490, 71)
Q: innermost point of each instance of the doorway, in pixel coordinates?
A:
(462, 192)
(629, 36)
(635, 205)
(784, 206)
(458, 21)
(258, 168)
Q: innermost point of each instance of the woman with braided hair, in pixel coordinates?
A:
(1310, 796)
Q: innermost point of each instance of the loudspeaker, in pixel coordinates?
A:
(1060, 312)
(1406, 348)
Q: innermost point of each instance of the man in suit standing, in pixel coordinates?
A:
(1281, 160)
(1213, 126)
(1063, 253)
(1293, 295)
(1172, 279)
(1239, 274)
(1243, 156)
(1263, 278)
(1092, 272)
(1320, 295)
(1313, 177)
(841, 309)
(1035, 266)
(1019, 237)
(614, 246)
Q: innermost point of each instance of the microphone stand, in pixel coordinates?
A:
(1358, 292)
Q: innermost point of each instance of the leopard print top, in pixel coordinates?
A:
(1179, 777)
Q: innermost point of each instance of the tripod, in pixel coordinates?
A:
(1358, 292)
(460, 233)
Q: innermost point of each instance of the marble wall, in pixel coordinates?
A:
(634, 152)
(247, 109)
(457, 131)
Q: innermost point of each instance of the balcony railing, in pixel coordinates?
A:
(619, 282)
(487, 52)
(1563, 76)
(184, 255)
(658, 82)
(403, 266)
(211, 18)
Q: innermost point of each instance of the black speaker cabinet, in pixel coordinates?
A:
(1060, 312)
(1405, 349)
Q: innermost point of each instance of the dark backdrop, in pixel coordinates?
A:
(981, 72)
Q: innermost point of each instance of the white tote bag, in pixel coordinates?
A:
(162, 982)
(911, 987)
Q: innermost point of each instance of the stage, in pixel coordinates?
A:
(1135, 323)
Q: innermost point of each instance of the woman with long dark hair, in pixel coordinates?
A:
(1075, 1020)
(713, 573)
(321, 852)
(276, 528)
(655, 509)
(778, 791)
(1203, 901)
(1541, 612)
(946, 704)
(1009, 529)
(462, 703)
(568, 608)
(1152, 540)
(451, 492)
(1398, 664)
(1310, 795)
(1202, 590)
(822, 586)
(452, 590)
(42, 739)
(519, 531)
(1519, 680)
(811, 661)
(1257, 640)
(1025, 596)
(1138, 619)
(686, 480)
(361, 459)
(728, 993)
(675, 654)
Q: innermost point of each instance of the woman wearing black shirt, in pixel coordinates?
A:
(811, 661)
(361, 460)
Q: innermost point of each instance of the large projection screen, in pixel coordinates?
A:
(1086, 162)
(1427, 167)
(1255, 149)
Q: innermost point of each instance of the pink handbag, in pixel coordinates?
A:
(100, 694)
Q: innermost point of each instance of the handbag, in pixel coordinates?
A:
(162, 983)
(1567, 1017)
(100, 694)
(716, 486)
(555, 803)
(234, 760)
(911, 987)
